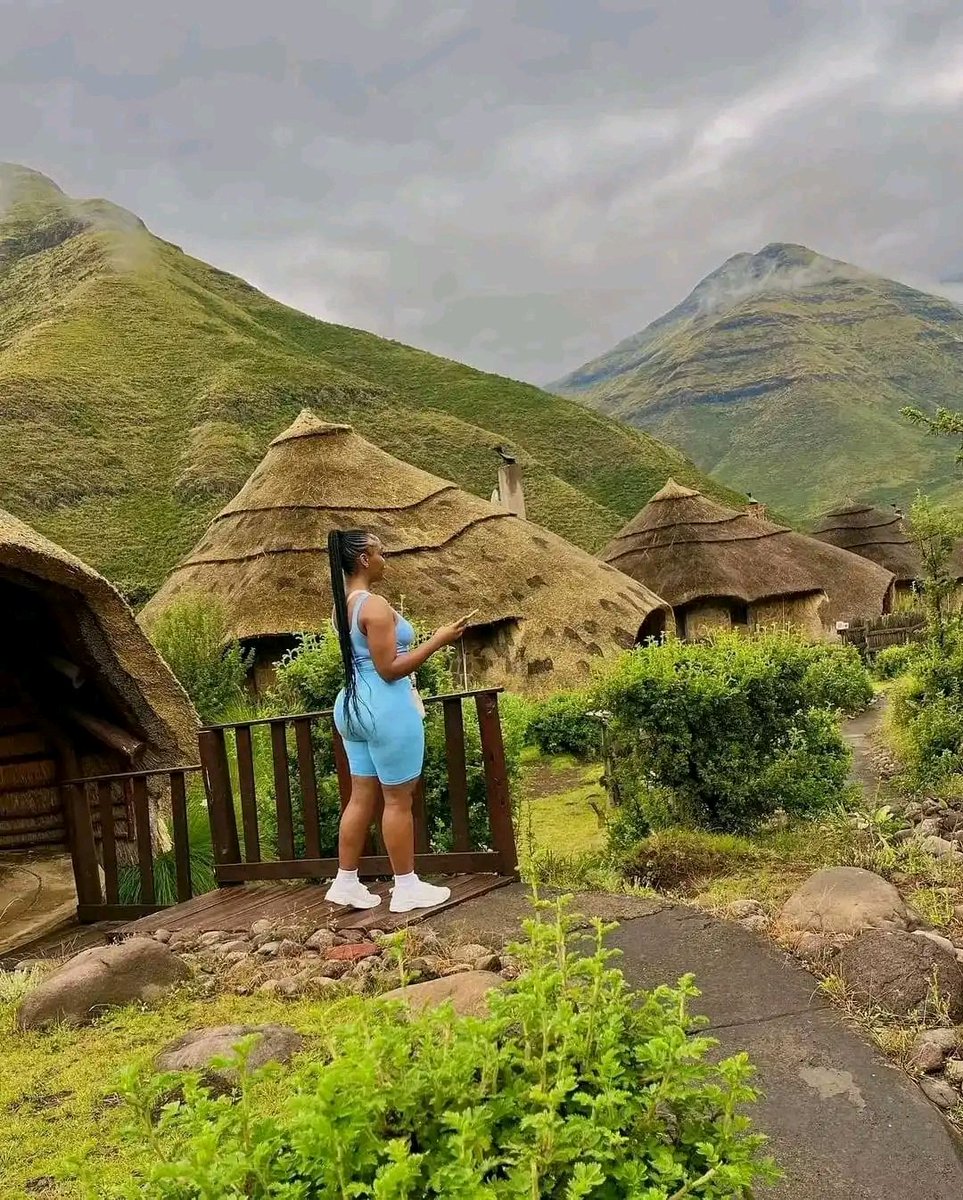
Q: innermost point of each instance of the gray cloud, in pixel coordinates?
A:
(516, 184)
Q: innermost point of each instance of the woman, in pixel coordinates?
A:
(380, 718)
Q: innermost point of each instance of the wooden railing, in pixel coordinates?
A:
(276, 831)
(230, 780)
(151, 803)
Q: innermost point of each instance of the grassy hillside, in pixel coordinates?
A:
(783, 373)
(139, 388)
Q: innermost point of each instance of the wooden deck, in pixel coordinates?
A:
(235, 909)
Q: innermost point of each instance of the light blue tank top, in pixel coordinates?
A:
(404, 635)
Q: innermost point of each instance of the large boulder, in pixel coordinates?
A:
(467, 991)
(844, 900)
(198, 1049)
(138, 970)
(903, 975)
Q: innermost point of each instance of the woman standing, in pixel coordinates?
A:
(380, 718)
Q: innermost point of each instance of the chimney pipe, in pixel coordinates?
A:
(754, 508)
(510, 494)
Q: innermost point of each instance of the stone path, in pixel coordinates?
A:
(844, 1123)
(860, 733)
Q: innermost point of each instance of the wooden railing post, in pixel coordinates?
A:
(457, 774)
(83, 848)
(496, 782)
(220, 796)
(182, 847)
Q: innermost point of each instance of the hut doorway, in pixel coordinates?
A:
(652, 628)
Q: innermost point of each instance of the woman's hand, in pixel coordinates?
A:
(449, 634)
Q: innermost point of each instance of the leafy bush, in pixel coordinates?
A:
(731, 730)
(192, 638)
(893, 661)
(561, 725)
(926, 716)
(573, 1089)
(835, 678)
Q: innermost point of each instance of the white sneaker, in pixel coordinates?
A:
(417, 895)
(351, 894)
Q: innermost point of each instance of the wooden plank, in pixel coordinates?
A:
(326, 868)
(327, 712)
(496, 783)
(465, 887)
(342, 767)
(282, 790)
(145, 846)
(117, 912)
(220, 796)
(457, 774)
(309, 789)
(182, 846)
(108, 842)
(220, 899)
(83, 851)
(419, 813)
(248, 790)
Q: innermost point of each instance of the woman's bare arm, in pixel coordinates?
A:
(377, 623)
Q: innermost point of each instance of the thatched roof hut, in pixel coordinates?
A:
(707, 560)
(82, 691)
(880, 535)
(543, 605)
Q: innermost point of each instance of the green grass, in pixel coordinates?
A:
(58, 1089)
(795, 393)
(141, 386)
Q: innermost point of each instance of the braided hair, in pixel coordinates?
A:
(345, 547)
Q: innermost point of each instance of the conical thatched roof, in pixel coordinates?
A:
(448, 552)
(107, 642)
(880, 535)
(688, 547)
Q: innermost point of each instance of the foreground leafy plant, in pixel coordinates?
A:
(574, 1088)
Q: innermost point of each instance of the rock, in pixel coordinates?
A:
(937, 938)
(259, 928)
(931, 1048)
(211, 937)
(347, 937)
(289, 987)
(810, 947)
(196, 1050)
(270, 987)
(898, 972)
(139, 969)
(954, 1072)
(958, 913)
(953, 822)
(469, 953)
(941, 848)
(487, 962)
(289, 948)
(162, 935)
(268, 949)
(232, 947)
(351, 952)
(901, 836)
(931, 808)
(913, 812)
(755, 922)
(456, 969)
(740, 909)
(930, 827)
(467, 991)
(321, 939)
(844, 900)
(334, 969)
(940, 1092)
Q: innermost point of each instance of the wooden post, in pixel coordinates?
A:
(83, 848)
(457, 774)
(282, 789)
(220, 797)
(108, 843)
(496, 782)
(182, 845)
(145, 844)
(309, 789)
(248, 790)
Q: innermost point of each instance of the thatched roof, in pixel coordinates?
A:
(107, 642)
(880, 535)
(688, 547)
(448, 552)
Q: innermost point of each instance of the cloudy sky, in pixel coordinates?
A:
(514, 183)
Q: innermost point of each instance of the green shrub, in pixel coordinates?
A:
(926, 714)
(836, 678)
(574, 1088)
(562, 725)
(732, 729)
(893, 661)
(192, 638)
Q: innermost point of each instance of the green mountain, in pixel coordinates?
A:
(783, 373)
(139, 387)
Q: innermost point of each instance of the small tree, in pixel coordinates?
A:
(946, 423)
(192, 638)
(934, 531)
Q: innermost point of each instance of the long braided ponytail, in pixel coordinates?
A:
(345, 547)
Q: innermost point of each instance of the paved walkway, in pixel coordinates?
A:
(844, 1123)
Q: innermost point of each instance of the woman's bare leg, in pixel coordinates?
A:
(356, 821)
(398, 827)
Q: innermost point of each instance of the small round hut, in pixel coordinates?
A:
(545, 608)
(883, 537)
(722, 568)
(82, 690)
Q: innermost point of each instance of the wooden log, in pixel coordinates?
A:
(121, 740)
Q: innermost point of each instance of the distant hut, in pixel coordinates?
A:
(82, 691)
(883, 537)
(720, 568)
(545, 608)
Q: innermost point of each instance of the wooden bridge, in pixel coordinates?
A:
(273, 790)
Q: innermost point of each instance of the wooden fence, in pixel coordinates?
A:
(895, 629)
(244, 850)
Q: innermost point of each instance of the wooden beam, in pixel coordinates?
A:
(125, 743)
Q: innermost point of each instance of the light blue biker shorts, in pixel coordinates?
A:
(385, 739)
